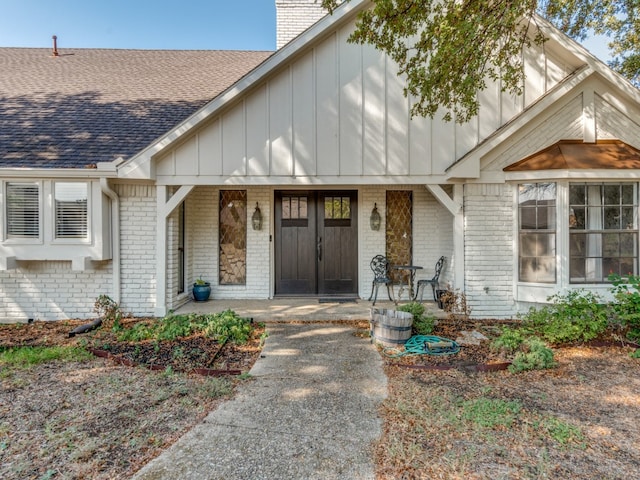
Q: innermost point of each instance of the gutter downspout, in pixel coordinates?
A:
(115, 235)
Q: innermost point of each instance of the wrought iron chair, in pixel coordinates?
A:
(432, 281)
(380, 266)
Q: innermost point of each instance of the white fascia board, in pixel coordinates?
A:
(460, 169)
(55, 173)
(111, 167)
(135, 167)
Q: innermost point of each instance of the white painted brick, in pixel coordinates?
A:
(489, 250)
(294, 17)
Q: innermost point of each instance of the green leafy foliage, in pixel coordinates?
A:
(448, 50)
(533, 354)
(422, 324)
(510, 339)
(222, 326)
(626, 304)
(578, 315)
(562, 432)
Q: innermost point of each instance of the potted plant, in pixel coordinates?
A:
(201, 290)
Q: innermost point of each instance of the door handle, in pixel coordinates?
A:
(319, 248)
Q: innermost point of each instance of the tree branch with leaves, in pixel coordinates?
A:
(448, 49)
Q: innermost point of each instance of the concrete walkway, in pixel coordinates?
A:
(309, 413)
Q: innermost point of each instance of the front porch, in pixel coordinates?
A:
(297, 309)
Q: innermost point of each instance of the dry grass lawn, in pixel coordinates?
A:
(93, 418)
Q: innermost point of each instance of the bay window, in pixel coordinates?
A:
(603, 231)
(575, 233)
(50, 220)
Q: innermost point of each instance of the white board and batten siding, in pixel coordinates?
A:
(336, 114)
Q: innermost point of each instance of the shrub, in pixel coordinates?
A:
(576, 316)
(109, 311)
(228, 325)
(510, 339)
(422, 324)
(455, 304)
(222, 326)
(534, 354)
(626, 306)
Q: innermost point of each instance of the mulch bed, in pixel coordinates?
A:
(480, 358)
(197, 354)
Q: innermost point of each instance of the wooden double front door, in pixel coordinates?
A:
(316, 242)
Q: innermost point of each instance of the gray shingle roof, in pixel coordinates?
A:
(88, 106)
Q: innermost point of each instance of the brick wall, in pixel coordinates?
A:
(51, 291)
(294, 17)
(432, 234)
(202, 240)
(489, 247)
(138, 248)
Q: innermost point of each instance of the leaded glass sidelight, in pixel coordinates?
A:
(233, 237)
(399, 231)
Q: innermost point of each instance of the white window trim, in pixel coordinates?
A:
(96, 247)
(539, 292)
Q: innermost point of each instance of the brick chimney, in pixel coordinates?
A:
(294, 17)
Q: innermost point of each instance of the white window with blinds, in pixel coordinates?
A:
(71, 210)
(23, 210)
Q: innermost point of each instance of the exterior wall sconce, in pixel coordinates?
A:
(256, 218)
(375, 220)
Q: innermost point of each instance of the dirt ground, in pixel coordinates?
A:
(101, 419)
(446, 420)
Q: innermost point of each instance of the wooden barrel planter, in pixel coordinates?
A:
(390, 328)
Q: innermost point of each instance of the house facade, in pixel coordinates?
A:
(267, 186)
